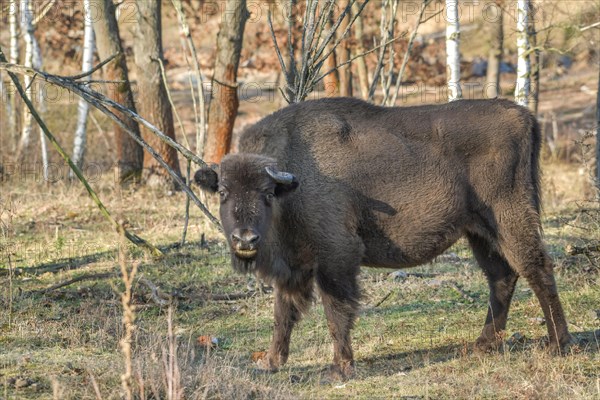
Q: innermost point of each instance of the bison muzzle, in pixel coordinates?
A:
(322, 187)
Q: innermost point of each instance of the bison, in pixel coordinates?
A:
(322, 187)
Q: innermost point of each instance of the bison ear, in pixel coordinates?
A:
(207, 178)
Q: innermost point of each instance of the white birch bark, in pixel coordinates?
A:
(32, 59)
(523, 65)
(80, 139)
(13, 12)
(452, 50)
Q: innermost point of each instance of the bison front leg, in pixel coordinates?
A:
(289, 306)
(340, 302)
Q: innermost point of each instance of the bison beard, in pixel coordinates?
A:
(322, 187)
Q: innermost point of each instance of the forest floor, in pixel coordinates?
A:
(412, 340)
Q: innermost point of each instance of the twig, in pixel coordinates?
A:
(88, 277)
(187, 204)
(408, 51)
(91, 71)
(573, 250)
(160, 298)
(359, 56)
(384, 298)
(101, 102)
(138, 241)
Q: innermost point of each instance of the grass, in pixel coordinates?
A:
(412, 340)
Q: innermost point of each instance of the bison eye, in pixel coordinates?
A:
(270, 197)
(222, 194)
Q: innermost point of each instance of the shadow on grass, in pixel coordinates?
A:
(71, 263)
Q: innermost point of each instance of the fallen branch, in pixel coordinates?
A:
(81, 278)
(102, 103)
(138, 241)
(576, 250)
(464, 294)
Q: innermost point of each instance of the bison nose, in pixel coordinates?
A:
(245, 238)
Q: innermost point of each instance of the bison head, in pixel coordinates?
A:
(249, 188)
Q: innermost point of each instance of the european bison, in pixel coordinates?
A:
(384, 187)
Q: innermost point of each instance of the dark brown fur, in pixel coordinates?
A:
(387, 187)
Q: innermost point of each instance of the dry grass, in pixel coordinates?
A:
(65, 343)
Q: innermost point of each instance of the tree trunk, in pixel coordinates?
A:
(83, 107)
(153, 101)
(343, 55)
(129, 152)
(495, 55)
(452, 50)
(14, 59)
(361, 64)
(535, 70)
(523, 66)
(224, 105)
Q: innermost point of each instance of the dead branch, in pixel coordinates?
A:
(81, 278)
(573, 250)
(102, 103)
(464, 294)
(138, 241)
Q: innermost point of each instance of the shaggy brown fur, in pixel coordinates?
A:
(385, 187)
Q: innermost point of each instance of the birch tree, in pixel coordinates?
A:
(32, 59)
(452, 50)
(223, 109)
(83, 107)
(523, 65)
(108, 40)
(153, 102)
(13, 13)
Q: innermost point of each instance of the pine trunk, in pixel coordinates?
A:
(83, 107)
(224, 105)
(129, 152)
(495, 55)
(523, 66)
(153, 101)
(452, 50)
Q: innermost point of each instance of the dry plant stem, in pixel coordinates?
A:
(138, 241)
(187, 204)
(101, 102)
(127, 275)
(411, 42)
(199, 116)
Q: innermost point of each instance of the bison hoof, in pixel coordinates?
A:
(567, 344)
(337, 373)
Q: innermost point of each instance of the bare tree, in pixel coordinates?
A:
(83, 107)
(496, 50)
(153, 102)
(223, 108)
(361, 63)
(453, 50)
(343, 56)
(523, 65)
(33, 59)
(303, 71)
(108, 40)
(13, 12)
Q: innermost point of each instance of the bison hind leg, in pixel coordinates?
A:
(501, 280)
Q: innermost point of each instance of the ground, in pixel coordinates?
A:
(60, 286)
(412, 340)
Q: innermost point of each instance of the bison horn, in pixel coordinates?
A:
(280, 177)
